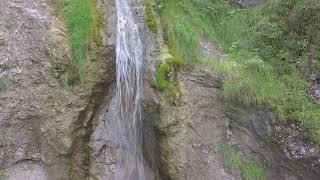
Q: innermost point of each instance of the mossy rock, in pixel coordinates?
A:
(151, 20)
(166, 79)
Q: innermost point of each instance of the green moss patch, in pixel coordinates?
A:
(164, 72)
(166, 79)
(151, 21)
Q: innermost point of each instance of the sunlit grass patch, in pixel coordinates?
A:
(256, 71)
(83, 22)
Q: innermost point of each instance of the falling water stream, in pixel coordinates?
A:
(128, 95)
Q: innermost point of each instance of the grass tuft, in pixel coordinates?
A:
(83, 22)
(250, 170)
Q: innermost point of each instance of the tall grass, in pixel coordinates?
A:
(83, 23)
(254, 71)
(250, 82)
(179, 31)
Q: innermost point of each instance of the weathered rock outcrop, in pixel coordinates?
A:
(43, 125)
(191, 133)
(54, 132)
(285, 150)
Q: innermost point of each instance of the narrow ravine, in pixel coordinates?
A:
(80, 98)
(129, 58)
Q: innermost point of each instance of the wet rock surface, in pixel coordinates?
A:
(103, 143)
(52, 132)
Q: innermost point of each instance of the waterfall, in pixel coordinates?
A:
(129, 58)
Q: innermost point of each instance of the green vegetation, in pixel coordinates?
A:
(166, 79)
(267, 48)
(83, 23)
(250, 170)
(65, 72)
(163, 80)
(179, 32)
(290, 33)
(1, 173)
(150, 16)
(170, 66)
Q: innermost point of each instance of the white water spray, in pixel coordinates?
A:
(128, 95)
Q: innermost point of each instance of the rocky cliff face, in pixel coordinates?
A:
(42, 124)
(193, 132)
(48, 131)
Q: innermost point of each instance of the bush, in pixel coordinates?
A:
(292, 27)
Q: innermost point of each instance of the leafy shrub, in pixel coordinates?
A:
(292, 26)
